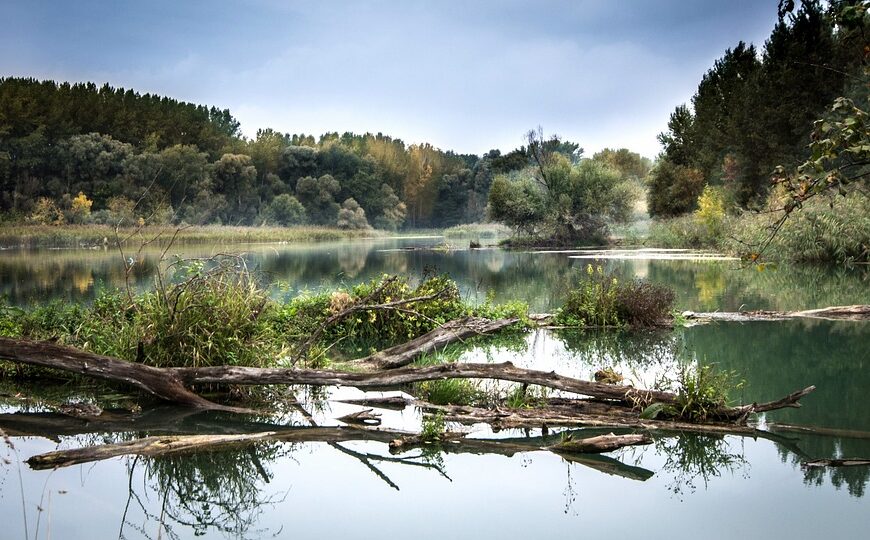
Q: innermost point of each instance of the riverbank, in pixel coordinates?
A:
(84, 236)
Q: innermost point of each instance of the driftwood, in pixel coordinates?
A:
(437, 339)
(599, 444)
(168, 445)
(847, 462)
(834, 313)
(159, 382)
(169, 383)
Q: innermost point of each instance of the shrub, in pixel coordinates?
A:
(600, 299)
(593, 302)
(641, 303)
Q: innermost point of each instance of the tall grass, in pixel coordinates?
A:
(94, 235)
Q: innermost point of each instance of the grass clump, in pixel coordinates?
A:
(214, 315)
(449, 392)
(434, 427)
(701, 391)
(602, 300)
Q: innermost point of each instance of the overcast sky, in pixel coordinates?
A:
(464, 75)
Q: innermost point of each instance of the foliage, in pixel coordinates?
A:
(673, 189)
(821, 232)
(517, 202)
(284, 210)
(564, 198)
(433, 428)
(80, 209)
(701, 390)
(643, 304)
(711, 211)
(449, 392)
(352, 216)
(592, 302)
(750, 115)
(45, 212)
(601, 300)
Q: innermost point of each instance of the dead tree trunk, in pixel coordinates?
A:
(444, 335)
(169, 383)
(159, 382)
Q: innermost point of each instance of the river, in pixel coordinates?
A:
(682, 486)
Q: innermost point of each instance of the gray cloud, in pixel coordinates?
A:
(469, 75)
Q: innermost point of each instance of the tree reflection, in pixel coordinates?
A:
(696, 459)
(206, 491)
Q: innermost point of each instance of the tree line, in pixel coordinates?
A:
(78, 153)
(756, 112)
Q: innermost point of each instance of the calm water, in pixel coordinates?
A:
(680, 487)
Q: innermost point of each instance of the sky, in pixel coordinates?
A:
(468, 75)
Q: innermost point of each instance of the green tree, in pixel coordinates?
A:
(284, 210)
(317, 195)
(352, 216)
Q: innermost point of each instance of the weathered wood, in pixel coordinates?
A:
(159, 382)
(364, 418)
(600, 444)
(169, 383)
(439, 338)
(847, 462)
(453, 443)
(856, 312)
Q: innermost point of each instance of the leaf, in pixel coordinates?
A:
(652, 411)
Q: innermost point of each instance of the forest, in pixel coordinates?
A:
(79, 153)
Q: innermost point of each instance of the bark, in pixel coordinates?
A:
(600, 444)
(847, 462)
(455, 443)
(160, 382)
(437, 339)
(834, 313)
(169, 383)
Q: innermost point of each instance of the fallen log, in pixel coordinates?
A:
(599, 444)
(169, 383)
(168, 445)
(437, 339)
(159, 382)
(847, 462)
(835, 313)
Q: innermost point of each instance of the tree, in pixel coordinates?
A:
(673, 189)
(352, 216)
(284, 210)
(393, 210)
(317, 195)
(518, 202)
(80, 209)
(234, 175)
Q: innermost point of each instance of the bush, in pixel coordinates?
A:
(641, 303)
(602, 300)
(673, 189)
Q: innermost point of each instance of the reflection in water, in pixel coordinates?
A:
(207, 491)
(537, 278)
(694, 459)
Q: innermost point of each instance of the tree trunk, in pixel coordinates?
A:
(169, 383)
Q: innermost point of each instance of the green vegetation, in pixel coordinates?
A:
(602, 300)
(215, 313)
(82, 154)
(701, 390)
(824, 231)
(561, 199)
(749, 128)
(99, 235)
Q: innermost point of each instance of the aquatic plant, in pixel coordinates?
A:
(601, 299)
